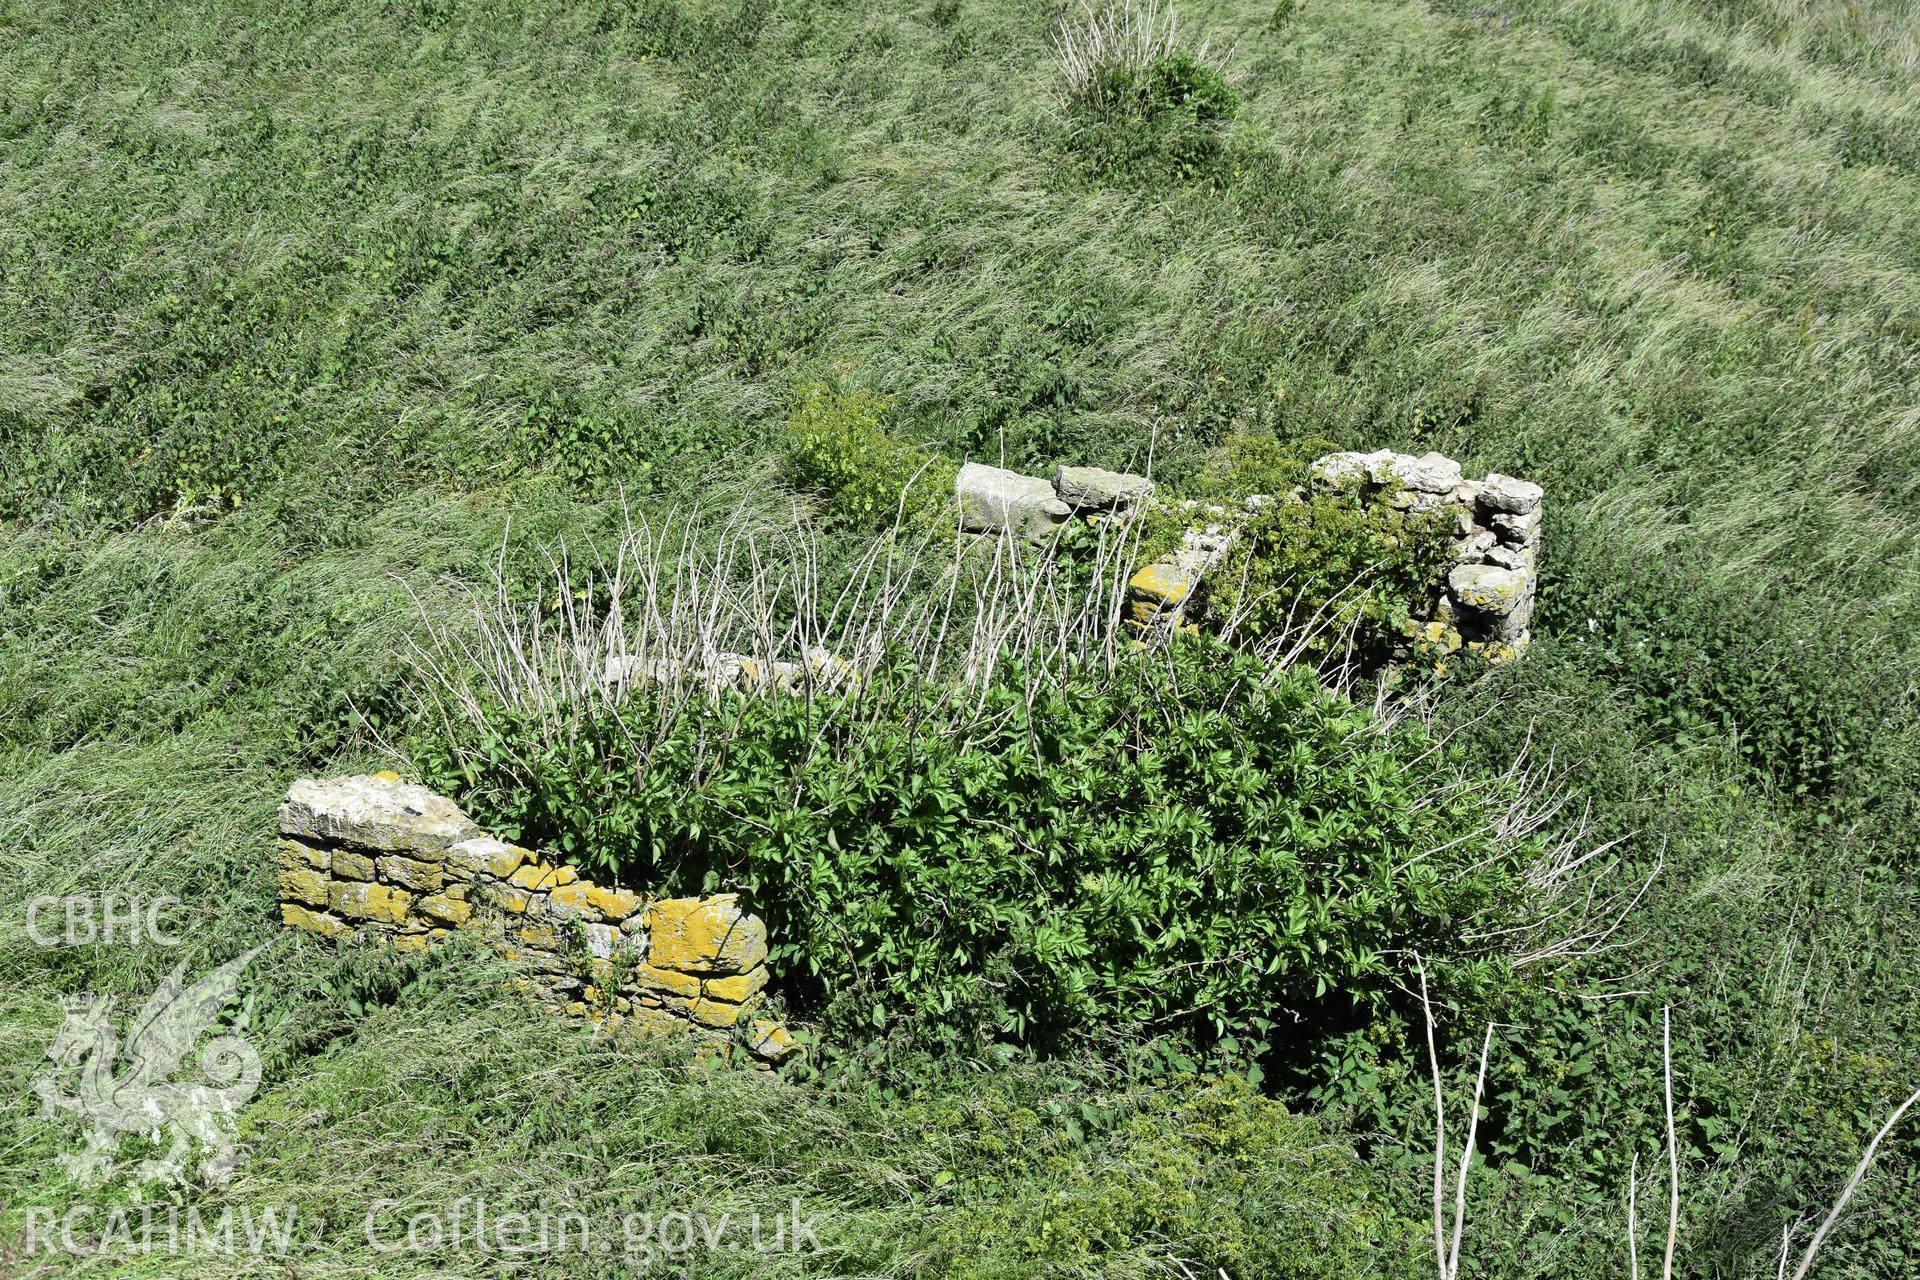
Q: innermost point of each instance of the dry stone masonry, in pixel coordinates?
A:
(376, 857)
(1484, 604)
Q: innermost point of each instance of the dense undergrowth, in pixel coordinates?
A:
(1185, 846)
(307, 312)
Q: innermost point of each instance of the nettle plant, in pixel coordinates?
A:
(989, 806)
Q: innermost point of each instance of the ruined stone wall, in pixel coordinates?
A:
(376, 857)
(1483, 603)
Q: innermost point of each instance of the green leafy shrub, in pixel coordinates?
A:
(1805, 691)
(841, 446)
(1357, 573)
(1248, 462)
(1190, 843)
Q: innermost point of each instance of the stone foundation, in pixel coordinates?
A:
(1483, 604)
(376, 857)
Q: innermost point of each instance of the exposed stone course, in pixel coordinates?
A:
(375, 857)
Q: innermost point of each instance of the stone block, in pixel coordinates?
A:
(704, 935)
(993, 499)
(485, 856)
(326, 926)
(649, 978)
(409, 873)
(444, 910)
(374, 812)
(543, 875)
(376, 902)
(348, 865)
(1095, 489)
(737, 988)
(304, 884)
(295, 855)
(1500, 493)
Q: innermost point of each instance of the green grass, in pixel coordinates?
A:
(307, 310)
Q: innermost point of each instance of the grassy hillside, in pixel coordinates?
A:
(310, 312)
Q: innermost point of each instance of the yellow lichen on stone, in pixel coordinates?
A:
(408, 942)
(679, 984)
(304, 884)
(573, 898)
(543, 875)
(712, 1013)
(1164, 582)
(541, 937)
(298, 917)
(369, 901)
(445, 909)
(509, 898)
(704, 935)
(422, 877)
(614, 904)
(1438, 635)
(772, 1041)
(387, 774)
(485, 855)
(348, 865)
(294, 855)
(739, 988)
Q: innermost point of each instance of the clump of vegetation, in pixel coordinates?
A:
(1032, 823)
(1251, 461)
(1350, 580)
(1056, 854)
(843, 448)
(1144, 99)
(1359, 574)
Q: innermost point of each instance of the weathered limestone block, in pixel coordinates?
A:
(319, 922)
(304, 884)
(1500, 599)
(543, 875)
(420, 877)
(485, 856)
(736, 988)
(993, 499)
(704, 935)
(1429, 473)
(293, 855)
(1095, 489)
(1521, 530)
(772, 1041)
(666, 981)
(348, 865)
(1488, 589)
(374, 812)
(358, 901)
(1161, 594)
(443, 910)
(1506, 494)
